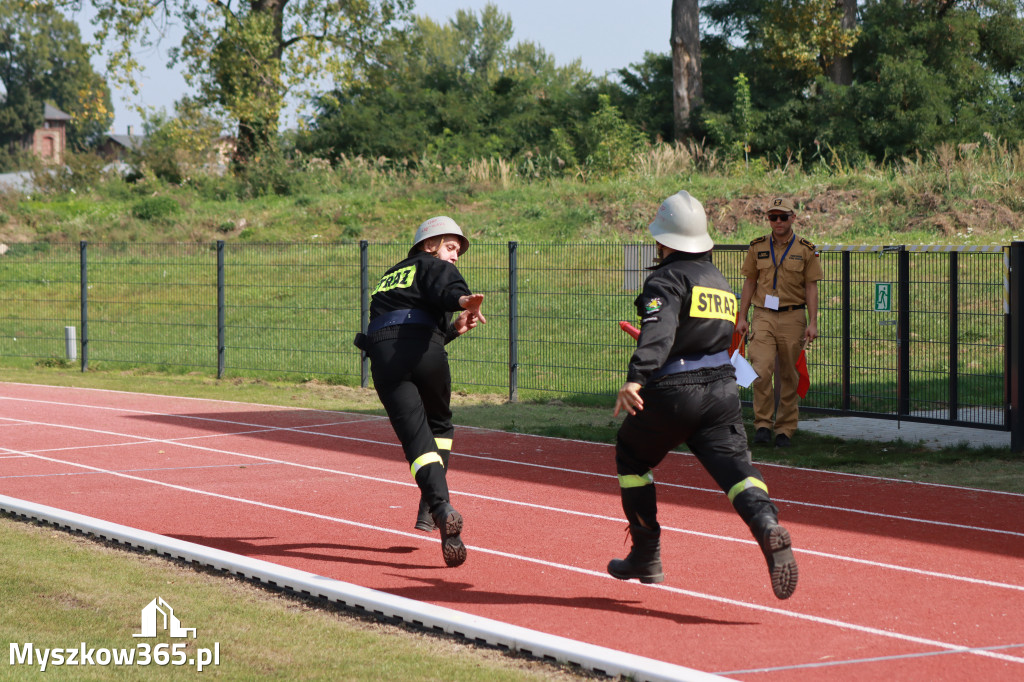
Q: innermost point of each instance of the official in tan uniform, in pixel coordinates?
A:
(782, 273)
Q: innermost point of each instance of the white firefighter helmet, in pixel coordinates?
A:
(437, 226)
(681, 224)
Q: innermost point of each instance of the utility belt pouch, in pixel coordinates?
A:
(362, 342)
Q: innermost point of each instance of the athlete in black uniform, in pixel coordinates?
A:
(410, 322)
(681, 388)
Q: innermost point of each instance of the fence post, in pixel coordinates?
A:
(903, 277)
(845, 312)
(954, 334)
(1015, 345)
(513, 324)
(221, 334)
(364, 308)
(83, 297)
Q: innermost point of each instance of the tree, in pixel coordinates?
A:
(841, 69)
(807, 36)
(43, 59)
(246, 57)
(644, 96)
(687, 86)
(454, 92)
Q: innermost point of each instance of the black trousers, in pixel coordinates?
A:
(413, 380)
(706, 416)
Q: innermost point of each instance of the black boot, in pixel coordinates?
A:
(778, 553)
(424, 521)
(644, 560)
(450, 523)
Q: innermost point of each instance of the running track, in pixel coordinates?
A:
(898, 580)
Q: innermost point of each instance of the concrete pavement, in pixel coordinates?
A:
(932, 436)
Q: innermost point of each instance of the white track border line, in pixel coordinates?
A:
(269, 460)
(310, 429)
(372, 417)
(380, 604)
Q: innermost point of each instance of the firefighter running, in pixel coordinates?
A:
(681, 388)
(410, 323)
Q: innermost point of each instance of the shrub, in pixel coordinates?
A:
(152, 208)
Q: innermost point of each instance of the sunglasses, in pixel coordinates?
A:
(783, 218)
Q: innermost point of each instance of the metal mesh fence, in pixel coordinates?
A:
(936, 351)
(290, 309)
(39, 298)
(151, 305)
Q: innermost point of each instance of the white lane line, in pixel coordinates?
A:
(565, 567)
(877, 659)
(307, 431)
(340, 472)
(367, 417)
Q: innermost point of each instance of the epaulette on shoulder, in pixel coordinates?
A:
(759, 239)
(809, 245)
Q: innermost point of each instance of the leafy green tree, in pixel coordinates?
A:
(43, 59)
(609, 142)
(923, 73)
(452, 92)
(247, 57)
(644, 96)
(172, 148)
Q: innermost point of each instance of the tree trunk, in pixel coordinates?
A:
(841, 71)
(687, 86)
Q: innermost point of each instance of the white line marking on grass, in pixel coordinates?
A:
(565, 567)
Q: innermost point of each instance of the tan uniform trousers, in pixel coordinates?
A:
(776, 333)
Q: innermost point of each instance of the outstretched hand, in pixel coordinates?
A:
(471, 315)
(628, 399)
(471, 304)
(465, 321)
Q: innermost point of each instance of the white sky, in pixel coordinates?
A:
(605, 34)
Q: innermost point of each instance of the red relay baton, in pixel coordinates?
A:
(630, 329)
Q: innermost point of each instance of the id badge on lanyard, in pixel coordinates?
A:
(772, 302)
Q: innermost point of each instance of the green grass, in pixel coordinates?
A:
(59, 590)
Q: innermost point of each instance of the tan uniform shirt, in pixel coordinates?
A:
(799, 266)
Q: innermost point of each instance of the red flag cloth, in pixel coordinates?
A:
(629, 329)
(805, 380)
(738, 343)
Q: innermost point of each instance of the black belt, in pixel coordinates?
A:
(405, 316)
(785, 308)
(690, 363)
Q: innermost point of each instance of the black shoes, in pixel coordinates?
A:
(424, 521)
(644, 560)
(777, 548)
(450, 523)
(763, 436)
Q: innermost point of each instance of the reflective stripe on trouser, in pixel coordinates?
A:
(424, 460)
(776, 333)
(746, 484)
(633, 481)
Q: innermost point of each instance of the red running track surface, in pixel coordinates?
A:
(898, 580)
